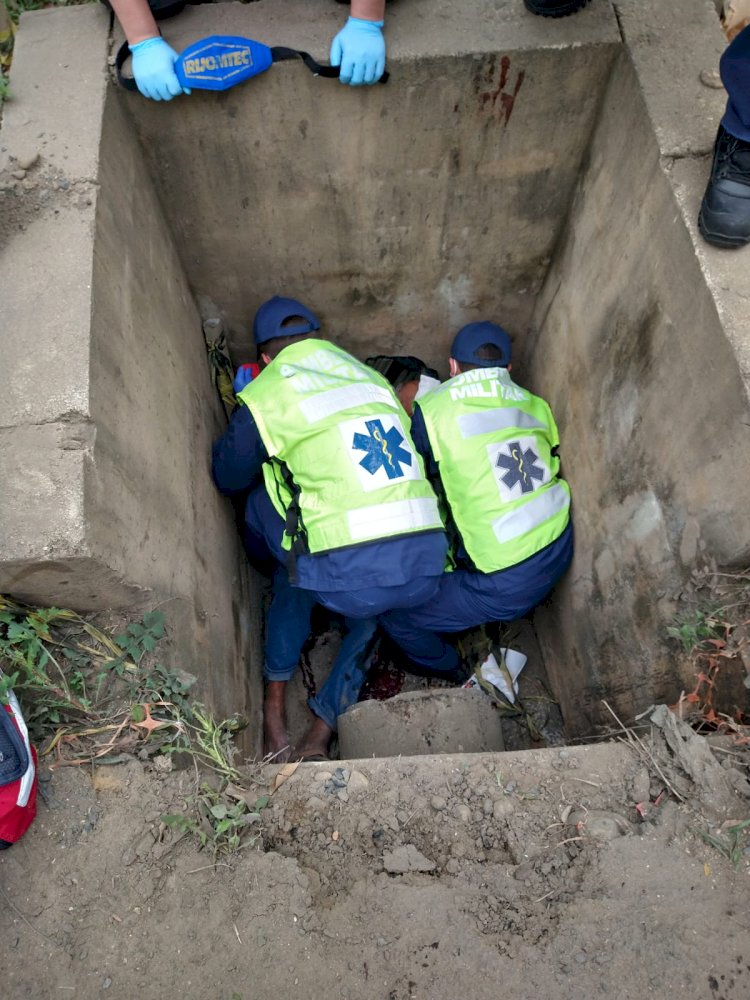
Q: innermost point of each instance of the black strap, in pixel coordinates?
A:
(294, 526)
(279, 52)
(126, 82)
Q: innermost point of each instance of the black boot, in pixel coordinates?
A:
(724, 218)
(554, 8)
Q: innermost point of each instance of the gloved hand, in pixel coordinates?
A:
(153, 70)
(245, 375)
(359, 49)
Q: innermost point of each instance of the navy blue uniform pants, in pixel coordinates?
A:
(465, 600)
(735, 75)
(288, 622)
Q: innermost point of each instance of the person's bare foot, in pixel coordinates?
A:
(275, 736)
(315, 743)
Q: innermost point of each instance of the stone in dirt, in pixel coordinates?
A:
(599, 824)
(407, 859)
(27, 162)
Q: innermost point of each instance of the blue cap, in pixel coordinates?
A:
(473, 336)
(269, 318)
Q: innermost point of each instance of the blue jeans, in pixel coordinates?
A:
(287, 629)
(288, 624)
(466, 599)
(735, 75)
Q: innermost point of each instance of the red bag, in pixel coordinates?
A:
(18, 777)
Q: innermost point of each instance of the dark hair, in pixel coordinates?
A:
(400, 369)
(486, 352)
(276, 345)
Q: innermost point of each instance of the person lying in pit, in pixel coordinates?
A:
(410, 377)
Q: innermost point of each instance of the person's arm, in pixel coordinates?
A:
(359, 48)
(238, 455)
(368, 10)
(421, 440)
(153, 59)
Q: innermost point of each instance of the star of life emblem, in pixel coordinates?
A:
(517, 467)
(380, 451)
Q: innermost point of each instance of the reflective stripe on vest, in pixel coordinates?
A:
(342, 467)
(471, 424)
(493, 443)
(337, 400)
(539, 509)
(385, 519)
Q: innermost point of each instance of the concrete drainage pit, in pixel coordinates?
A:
(530, 171)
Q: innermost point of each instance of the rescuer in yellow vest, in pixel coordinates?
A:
(490, 447)
(345, 508)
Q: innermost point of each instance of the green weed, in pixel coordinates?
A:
(91, 697)
(69, 673)
(693, 628)
(218, 822)
(730, 846)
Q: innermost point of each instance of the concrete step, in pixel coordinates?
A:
(421, 722)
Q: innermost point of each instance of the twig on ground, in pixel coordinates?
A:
(639, 747)
(26, 920)
(570, 840)
(205, 868)
(732, 753)
(546, 895)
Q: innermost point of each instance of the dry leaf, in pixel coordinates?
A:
(284, 774)
(148, 723)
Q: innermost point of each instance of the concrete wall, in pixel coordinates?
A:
(628, 346)
(397, 212)
(109, 411)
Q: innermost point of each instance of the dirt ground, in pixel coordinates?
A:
(428, 878)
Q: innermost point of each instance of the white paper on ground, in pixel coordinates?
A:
(506, 681)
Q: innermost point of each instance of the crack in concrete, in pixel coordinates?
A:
(67, 420)
(688, 154)
(618, 18)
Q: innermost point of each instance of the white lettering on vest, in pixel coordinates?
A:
(484, 382)
(331, 369)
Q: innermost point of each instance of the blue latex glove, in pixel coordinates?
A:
(359, 49)
(153, 70)
(244, 376)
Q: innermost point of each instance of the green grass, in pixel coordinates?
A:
(732, 845)
(94, 696)
(692, 628)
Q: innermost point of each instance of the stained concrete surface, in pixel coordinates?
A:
(646, 378)
(561, 203)
(397, 212)
(108, 411)
(421, 722)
